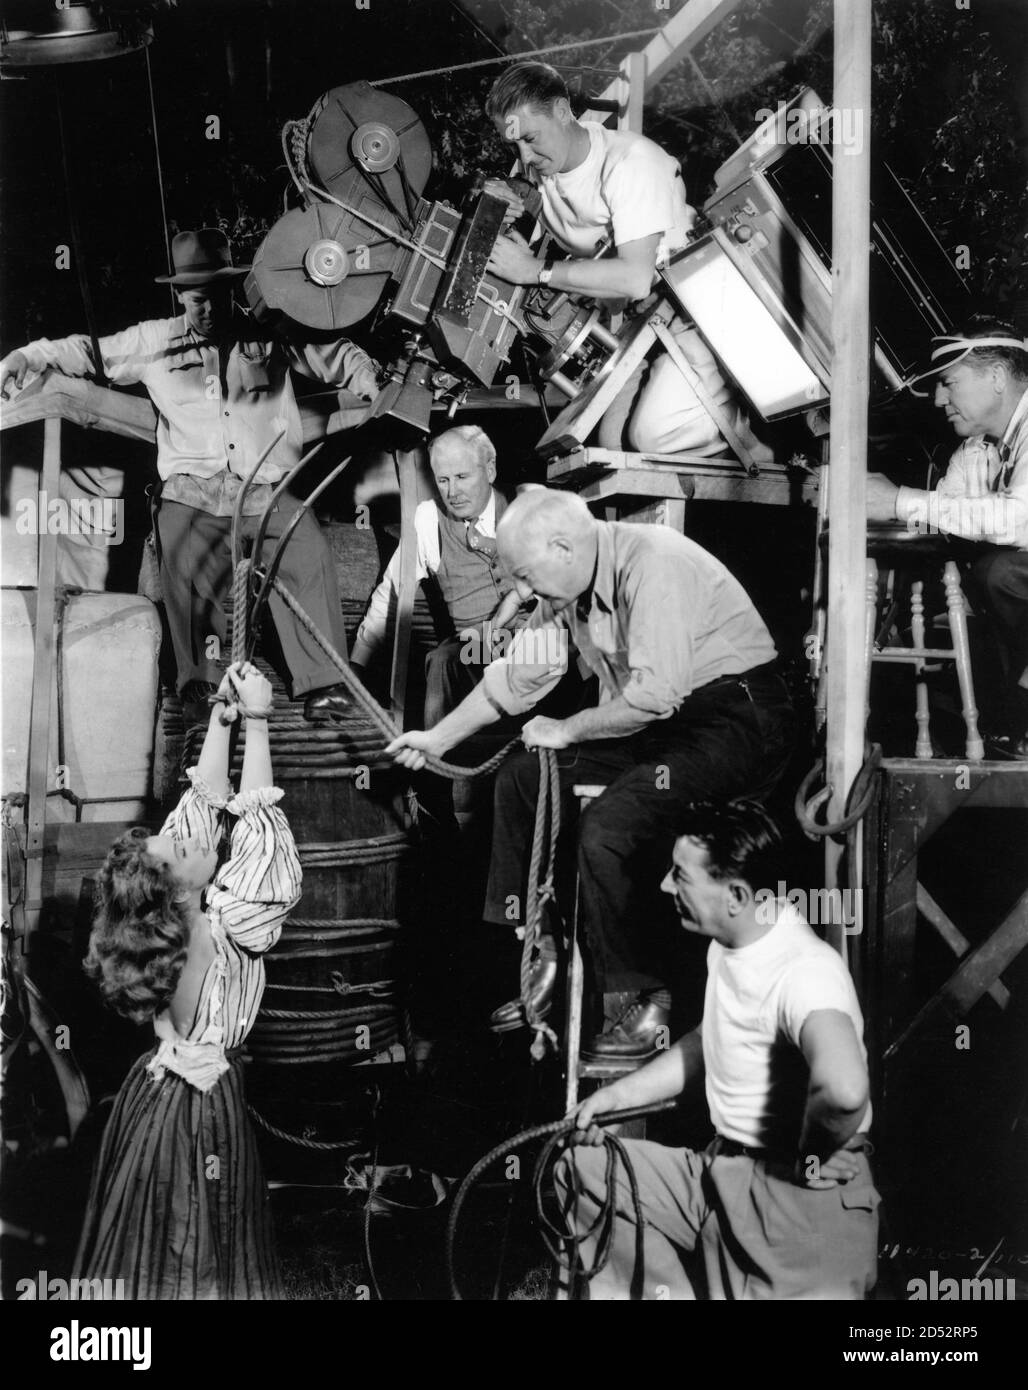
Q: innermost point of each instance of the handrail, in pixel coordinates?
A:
(53, 396)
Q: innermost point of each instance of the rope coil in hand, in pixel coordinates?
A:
(558, 1135)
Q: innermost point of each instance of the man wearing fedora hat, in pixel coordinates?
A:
(220, 383)
(981, 382)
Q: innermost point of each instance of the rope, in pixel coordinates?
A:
(370, 706)
(298, 1139)
(515, 57)
(557, 1134)
(160, 173)
(858, 802)
(540, 892)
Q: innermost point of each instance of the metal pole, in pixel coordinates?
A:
(847, 471)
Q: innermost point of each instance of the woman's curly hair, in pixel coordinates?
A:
(140, 934)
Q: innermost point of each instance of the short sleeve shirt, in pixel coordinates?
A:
(627, 187)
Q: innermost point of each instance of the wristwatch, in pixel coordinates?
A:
(546, 274)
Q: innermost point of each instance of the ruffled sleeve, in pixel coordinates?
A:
(257, 887)
(196, 815)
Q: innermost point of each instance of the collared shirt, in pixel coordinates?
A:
(662, 619)
(372, 632)
(215, 412)
(984, 494)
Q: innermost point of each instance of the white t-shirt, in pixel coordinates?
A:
(757, 1000)
(626, 185)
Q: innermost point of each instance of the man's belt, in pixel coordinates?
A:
(729, 1148)
(755, 673)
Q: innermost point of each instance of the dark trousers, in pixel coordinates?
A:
(448, 678)
(196, 576)
(997, 580)
(725, 741)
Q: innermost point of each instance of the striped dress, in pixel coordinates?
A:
(178, 1206)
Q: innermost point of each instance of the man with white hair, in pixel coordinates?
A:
(982, 501)
(691, 707)
(456, 548)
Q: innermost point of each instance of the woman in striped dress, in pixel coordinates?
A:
(178, 1206)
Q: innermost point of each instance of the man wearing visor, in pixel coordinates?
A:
(981, 382)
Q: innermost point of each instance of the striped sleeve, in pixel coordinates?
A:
(259, 884)
(197, 814)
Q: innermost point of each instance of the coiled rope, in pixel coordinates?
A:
(564, 1247)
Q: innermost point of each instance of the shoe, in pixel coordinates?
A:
(541, 983)
(195, 701)
(331, 703)
(634, 1037)
(1006, 747)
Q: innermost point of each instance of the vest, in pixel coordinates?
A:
(471, 582)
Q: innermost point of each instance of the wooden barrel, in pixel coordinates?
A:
(334, 995)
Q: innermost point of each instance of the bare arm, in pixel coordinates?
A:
(670, 1074)
(212, 766)
(837, 1092)
(253, 692)
(474, 712)
(627, 275)
(615, 719)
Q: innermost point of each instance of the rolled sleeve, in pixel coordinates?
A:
(533, 666)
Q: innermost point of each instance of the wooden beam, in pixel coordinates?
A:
(91, 407)
(847, 471)
(954, 938)
(975, 973)
(42, 684)
(631, 82)
(687, 29)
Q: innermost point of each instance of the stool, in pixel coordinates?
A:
(893, 547)
(575, 1070)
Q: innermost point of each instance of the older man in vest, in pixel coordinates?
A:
(456, 548)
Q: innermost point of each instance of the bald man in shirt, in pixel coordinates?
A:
(691, 707)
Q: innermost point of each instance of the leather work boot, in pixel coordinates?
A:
(635, 1035)
(333, 702)
(542, 979)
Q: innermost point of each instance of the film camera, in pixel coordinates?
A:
(365, 241)
(755, 280)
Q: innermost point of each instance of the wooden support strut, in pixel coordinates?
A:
(847, 492)
(42, 684)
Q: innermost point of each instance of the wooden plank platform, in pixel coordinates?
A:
(597, 474)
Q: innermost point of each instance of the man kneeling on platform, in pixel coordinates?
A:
(456, 547)
(691, 706)
(781, 1205)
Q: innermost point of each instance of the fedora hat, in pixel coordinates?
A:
(199, 257)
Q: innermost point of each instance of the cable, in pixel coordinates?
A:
(516, 57)
(160, 174)
(557, 1133)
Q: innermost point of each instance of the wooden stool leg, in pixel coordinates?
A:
(958, 632)
(576, 992)
(923, 746)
